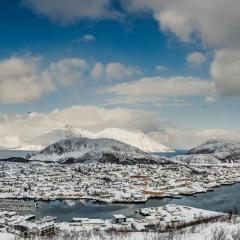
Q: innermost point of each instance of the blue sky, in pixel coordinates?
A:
(150, 56)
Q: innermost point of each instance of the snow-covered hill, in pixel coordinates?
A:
(103, 150)
(199, 159)
(224, 151)
(134, 138)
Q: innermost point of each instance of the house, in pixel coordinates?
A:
(119, 218)
(44, 229)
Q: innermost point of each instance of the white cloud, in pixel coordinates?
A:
(10, 141)
(20, 80)
(161, 68)
(88, 38)
(158, 88)
(196, 58)
(13, 127)
(66, 71)
(86, 117)
(98, 70)
(117, 70)
(225, 72)
(214, 22)
(114, 70)
(187, 138)
(70, 11)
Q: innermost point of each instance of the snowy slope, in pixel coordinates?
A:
(199, 159)
(225, 151)
(102, 150)
(134, 138)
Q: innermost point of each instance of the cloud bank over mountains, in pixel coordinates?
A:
(15, 129)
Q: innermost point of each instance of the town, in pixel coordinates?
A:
(169, 216)
(110, 182)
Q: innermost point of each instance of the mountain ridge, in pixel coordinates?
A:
(79, 149)
(133, 138)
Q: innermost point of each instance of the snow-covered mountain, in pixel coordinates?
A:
(224, 151)
(134, 138)
(80, 149)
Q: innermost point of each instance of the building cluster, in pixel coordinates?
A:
(167, 215)
(109, 182)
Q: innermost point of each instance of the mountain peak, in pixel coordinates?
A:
(78, 149)
(134, 138)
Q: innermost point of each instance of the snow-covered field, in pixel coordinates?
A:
(211, 231)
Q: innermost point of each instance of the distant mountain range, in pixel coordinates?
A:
(134, 138)
(79, 150)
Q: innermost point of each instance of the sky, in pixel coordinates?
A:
(170, 69)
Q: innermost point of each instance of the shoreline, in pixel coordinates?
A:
(120, 202)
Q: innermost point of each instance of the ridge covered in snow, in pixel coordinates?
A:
(77, 149)
(222, 150)
(134, 138)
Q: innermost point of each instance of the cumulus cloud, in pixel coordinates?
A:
(158, 88)
(212, 22)
(86, 117)
(225, 72)
(97, 70)
(117, 70)
(196, 58)
(66, 71)
(70, 11)
(20, 80)
(114, 70)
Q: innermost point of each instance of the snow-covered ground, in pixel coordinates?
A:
(7, 236)
(224, 228)
(134, 138)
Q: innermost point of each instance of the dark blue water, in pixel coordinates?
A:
(12, 153)
(17, 153)
(172, 154)
(222, 199)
